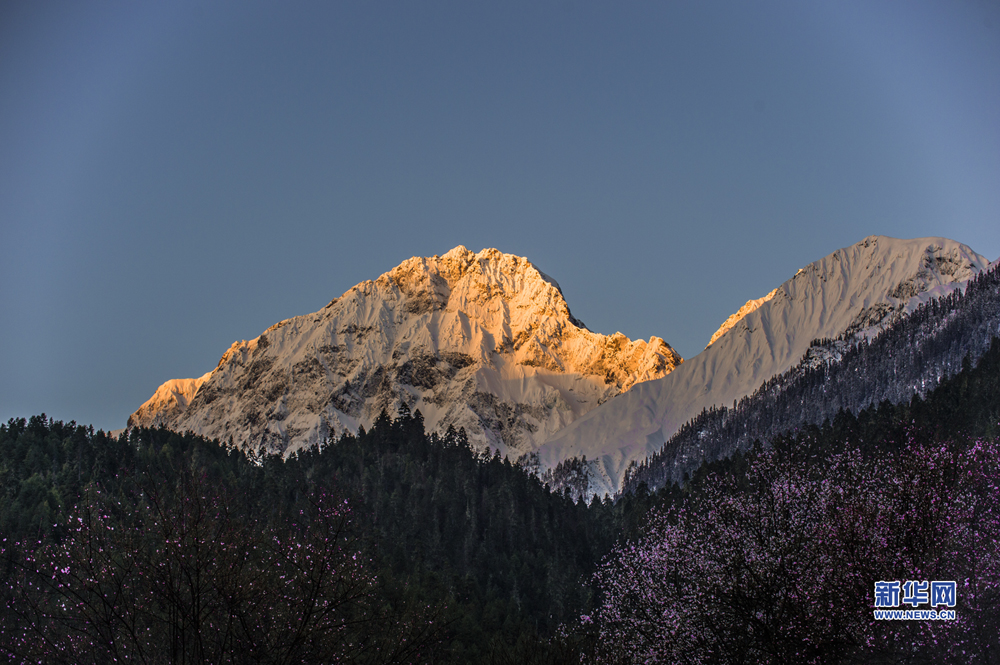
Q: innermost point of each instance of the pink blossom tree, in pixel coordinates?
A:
(190, 579)
(779, 566)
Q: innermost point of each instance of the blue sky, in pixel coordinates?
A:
(176, 176)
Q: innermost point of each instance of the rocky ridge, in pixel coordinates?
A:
(482, 341)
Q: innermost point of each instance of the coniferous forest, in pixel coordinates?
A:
(416, 549)
(395, 546)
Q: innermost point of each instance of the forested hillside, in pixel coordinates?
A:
(469, 556)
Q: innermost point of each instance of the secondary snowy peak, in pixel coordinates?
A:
(856, 291)
(169, 400)
(483, 341)
(735, 318)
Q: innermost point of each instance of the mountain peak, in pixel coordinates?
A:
(484, 341)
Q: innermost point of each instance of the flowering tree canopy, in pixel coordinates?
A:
(778, 566)
(191, 577)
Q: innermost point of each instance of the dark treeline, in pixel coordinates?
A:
(908, 359)
(470, 543)
(468, 529)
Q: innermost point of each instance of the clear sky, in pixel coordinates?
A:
(178, 175)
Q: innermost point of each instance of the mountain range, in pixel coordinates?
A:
(486, 342)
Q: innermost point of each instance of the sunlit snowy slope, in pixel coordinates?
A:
(856, 290)
(481, 341)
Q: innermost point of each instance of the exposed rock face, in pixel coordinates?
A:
(481, 341)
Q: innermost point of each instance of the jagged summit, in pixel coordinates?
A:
(483, 340)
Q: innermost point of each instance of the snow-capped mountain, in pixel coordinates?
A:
(911, 357)
(482, 341)
(856, 291)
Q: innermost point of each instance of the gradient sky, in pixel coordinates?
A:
(175, 176)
